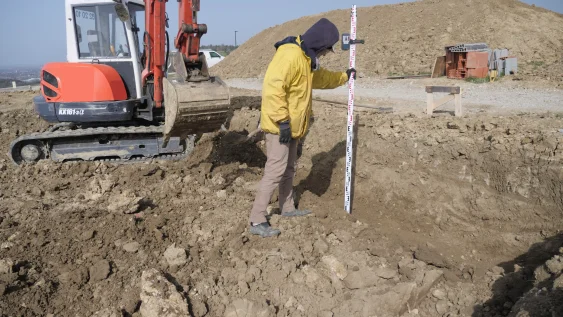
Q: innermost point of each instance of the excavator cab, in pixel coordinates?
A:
(122, 94)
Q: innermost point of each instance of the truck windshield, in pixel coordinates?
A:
(137, 13)
(100, 33)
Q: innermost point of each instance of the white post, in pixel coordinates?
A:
(13, 84)
(350, 128)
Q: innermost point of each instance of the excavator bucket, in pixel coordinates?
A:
(197, 106)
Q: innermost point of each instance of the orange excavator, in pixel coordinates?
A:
(123, 95)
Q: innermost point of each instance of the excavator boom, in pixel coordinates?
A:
(195, 102)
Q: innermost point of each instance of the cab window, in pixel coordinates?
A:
(137, 13)
(214, 55)
(100, 33)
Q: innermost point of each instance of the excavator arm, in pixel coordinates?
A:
(194, 101)
(189, 31)
(154, 37)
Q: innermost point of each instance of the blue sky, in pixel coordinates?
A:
(33, 31)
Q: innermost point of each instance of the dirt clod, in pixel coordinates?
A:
(132, 247)
(6, 266)
(100, 271)
(87, 235)
(335, 266)
(361, 279)
(175, 256)
(555, 265)
(126, 203)
(442, 307)
(159, 297)
(386, 273)
(439, 294)
(430, 256)
(248, 308)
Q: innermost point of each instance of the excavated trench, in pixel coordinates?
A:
(480, 190)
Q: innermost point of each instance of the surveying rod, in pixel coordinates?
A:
(349, 43)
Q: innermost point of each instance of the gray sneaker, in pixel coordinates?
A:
(264, 230)
(296, 213)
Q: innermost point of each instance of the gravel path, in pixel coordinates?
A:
(409, 95)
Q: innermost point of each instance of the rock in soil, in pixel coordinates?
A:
(558, 283)
(249, 308)
(335, 266)
(100, 271)
(393, 303)
(360, 279)
(131, 247)
(6, 266)
(125, 203)
(175, 256)
(159, 297)
(430, 256)
(555, 265)
(439, 294)
(386, 273)
(442, 307)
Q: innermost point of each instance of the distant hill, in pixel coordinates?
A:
(7, 83)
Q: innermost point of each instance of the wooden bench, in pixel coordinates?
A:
(454, 93)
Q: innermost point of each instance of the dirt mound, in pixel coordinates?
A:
(406, 38)
(444, 208)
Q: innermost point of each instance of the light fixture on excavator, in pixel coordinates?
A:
(123, 95)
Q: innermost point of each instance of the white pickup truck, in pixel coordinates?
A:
(212, 57)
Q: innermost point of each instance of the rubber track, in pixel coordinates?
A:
(48, 136)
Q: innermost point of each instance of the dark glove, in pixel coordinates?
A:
(285, 132)
(349, 72)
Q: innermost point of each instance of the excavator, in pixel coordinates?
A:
(122, 95)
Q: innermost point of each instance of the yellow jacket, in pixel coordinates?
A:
(288, 87)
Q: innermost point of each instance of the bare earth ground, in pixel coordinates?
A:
(451, 217)
(507, 96)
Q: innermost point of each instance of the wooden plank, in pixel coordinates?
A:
(359, 105)
(445, 89)
(409, 77)
(458, 108)
(429, 103)
(443, 100)
(439, 68)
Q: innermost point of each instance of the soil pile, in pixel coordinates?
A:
(445, 209)
(406, 38)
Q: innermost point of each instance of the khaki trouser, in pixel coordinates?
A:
(279, 171)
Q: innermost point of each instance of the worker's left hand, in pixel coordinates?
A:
(349, 72)
(285, 132)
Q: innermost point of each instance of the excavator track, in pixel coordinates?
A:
(124, 144)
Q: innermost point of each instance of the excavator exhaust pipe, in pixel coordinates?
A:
(195, 106)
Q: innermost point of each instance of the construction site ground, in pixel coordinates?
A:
(451, 216)
(506, 96)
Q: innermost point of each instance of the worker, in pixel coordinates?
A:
(286, 111)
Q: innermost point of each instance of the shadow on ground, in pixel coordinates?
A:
(519, 278)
